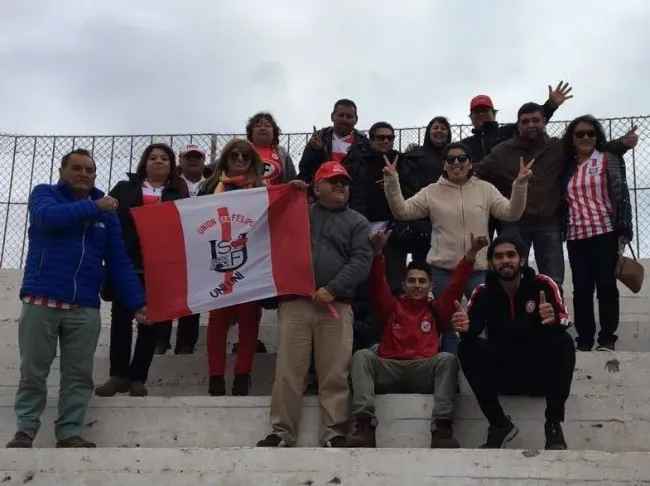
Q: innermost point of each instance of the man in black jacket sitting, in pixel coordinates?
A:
(527, 349)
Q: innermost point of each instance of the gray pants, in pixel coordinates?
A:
(438, 374)
(40, 329)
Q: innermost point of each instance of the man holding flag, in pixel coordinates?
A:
(341, 258)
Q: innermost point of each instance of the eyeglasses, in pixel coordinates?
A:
(584, 133)
(462, 158)
(234, 155)
(384, 138)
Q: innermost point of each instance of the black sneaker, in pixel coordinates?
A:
(272, 440)
(606, 347)
(584, 347)
(498, 437)
(554, 437)
(217, 386)
(338, 441)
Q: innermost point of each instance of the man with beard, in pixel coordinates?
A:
(527, 350)
(540, 225)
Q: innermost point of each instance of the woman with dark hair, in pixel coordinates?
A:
(155, 180)
(598, 223)
(423, 165)
(239, 167)
(459, 206)
(264, 133)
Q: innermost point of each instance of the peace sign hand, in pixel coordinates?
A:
(316, 140)
(525, 173)
(390, 168)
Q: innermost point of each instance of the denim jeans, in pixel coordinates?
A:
(439, 278)
(546, 240)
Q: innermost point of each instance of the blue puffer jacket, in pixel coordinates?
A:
(69, 241)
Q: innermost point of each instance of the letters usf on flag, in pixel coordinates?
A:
(214, 251)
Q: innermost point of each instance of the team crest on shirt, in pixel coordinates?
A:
(271, 169)
(593, 170)
(425, 326)
(275, 156)
(530, 306)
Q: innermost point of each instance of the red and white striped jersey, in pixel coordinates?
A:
(588, 199)
(341, 146)
(47, 302)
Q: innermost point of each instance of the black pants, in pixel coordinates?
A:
(593, 268)
(543, 369)
(395, 259)
(122, 365)
(187, 333)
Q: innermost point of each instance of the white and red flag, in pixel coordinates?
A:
(215, 251)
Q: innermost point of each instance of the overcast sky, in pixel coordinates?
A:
(163, 66)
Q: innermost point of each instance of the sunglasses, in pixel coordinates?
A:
(234, 155)
(384, 138)
(462, 158)
(584, 133)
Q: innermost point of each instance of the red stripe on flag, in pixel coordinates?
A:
(288, 219)
(226, 235)
(165, 268)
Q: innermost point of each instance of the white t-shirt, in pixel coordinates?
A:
(193, 187)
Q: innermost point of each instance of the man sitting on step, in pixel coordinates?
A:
(527, 349)
(73, 231)
(407, 358)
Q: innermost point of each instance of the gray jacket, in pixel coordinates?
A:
(340, 249)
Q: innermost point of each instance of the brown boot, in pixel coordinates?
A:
(443, 436)
(364, 433)
(137, 389)
(20, 441)
(113, 386)
(75, 442)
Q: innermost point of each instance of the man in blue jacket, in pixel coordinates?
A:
(73, 231)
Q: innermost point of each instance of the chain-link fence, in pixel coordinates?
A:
(30, 160)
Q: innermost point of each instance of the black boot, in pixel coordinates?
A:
(217, 386)
(554, 437)
(241, 385)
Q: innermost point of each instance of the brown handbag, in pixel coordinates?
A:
(629, 271)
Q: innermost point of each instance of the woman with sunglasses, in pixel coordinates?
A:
(598, 223)
(459, 205)
(239, 167)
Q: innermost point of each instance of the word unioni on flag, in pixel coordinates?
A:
(219, 250)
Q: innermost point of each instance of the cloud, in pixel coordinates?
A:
(161, 66)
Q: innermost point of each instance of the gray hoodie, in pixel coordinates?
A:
(340, 249)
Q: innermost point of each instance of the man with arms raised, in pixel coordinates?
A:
(407, 357)
(527, 349)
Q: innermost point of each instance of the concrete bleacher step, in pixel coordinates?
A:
(322, 467)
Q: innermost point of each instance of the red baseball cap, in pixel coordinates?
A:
(330, 169)
(187, 149)
(481, 100)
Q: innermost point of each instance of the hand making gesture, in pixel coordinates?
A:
(560, 94)
(390, 168)
(378, 240)
(525, 173)
(460, 319)
(546, 311)
(631, 138)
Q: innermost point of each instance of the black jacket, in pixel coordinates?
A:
(129, 195)
(367, 189)
(312, 157)
(617, 190)
(514, 320)
(484, 140)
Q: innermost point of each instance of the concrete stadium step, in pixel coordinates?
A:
(597, 373)
(594, 422)
(322, 467)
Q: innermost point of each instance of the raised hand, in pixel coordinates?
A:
(460, 319)
(316, 140)
(390, 168)
(478, 242)
(546, 311)
(560, 94)
(631, 138)
(378, 240)
(525, 172)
